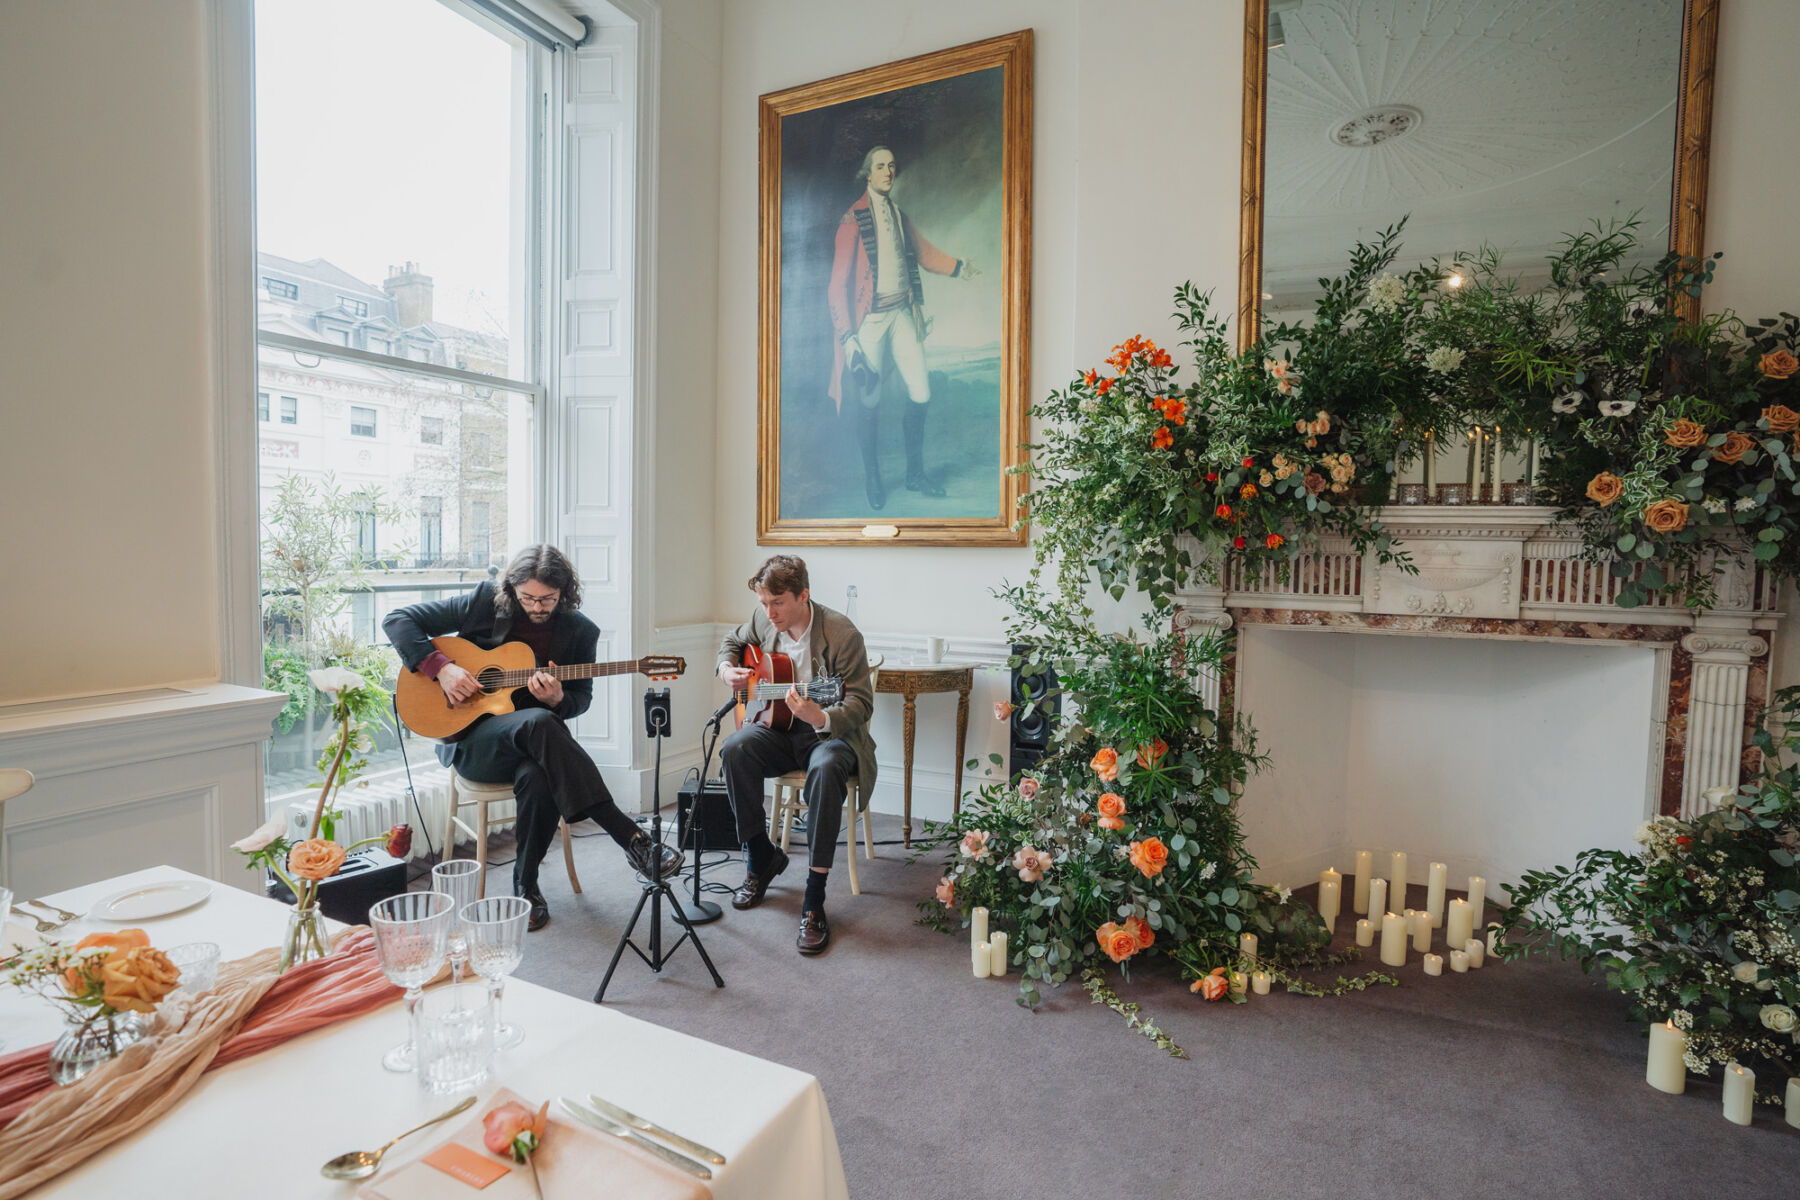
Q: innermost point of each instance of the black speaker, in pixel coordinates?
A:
(366, 878)
(1031, 734)
(718, 827)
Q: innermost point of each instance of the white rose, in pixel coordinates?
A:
(1780, 1018)
(265, 833)
(333, 680)
(1746, 972)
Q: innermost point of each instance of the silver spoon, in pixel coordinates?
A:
(360, 1164)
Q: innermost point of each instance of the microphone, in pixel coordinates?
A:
(723, 709)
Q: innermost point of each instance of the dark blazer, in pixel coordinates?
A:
(837, 649)
(573, 639)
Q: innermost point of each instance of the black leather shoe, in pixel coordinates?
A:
(540, 911)
(639, 854)
(749, 893)
(815, 933)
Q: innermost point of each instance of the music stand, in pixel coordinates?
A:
(656, 888)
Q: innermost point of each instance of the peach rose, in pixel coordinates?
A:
(1003, 710)
(1778, 364)
(135, 980)
(975, 845)
(1028, 788)
(1030, 863)
(1149, 856)
(315, 858)
(1140, 929)
(946, 892)
(86, 971)
(1781, 418)
(1106, 764)
(1213, 986)
(1732, 450)
(1666, 516)
(1112, 810)
(514, 1129)
(1685, 433)
(1116, 943)
(1149, 755)
(1315, 482)
(1604, 488)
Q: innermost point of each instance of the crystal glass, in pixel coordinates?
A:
(1409, 493)
(198, 963)
(453, 1029)
(496, 932)
(1453, 493)
(459, 879)
(410, 932)
(90, 1039)
(1516, 493)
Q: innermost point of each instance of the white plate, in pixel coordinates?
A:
(152, 900)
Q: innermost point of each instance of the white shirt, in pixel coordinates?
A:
(888, 260)
(798, 647)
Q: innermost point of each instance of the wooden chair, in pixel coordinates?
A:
(467, 793)
(790, 802)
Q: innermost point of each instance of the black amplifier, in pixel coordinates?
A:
(366, 878)
(718, 827)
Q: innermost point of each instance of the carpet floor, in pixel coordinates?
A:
(1517, 1079)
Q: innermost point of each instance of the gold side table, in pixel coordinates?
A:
(910, 683)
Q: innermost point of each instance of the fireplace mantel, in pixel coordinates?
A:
(1513, 572)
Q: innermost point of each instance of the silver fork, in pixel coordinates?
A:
(62, 913)
(43, 926)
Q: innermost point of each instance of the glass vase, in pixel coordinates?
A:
(305, 939)
(89, 1039)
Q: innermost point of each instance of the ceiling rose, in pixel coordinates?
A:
(1378, 125)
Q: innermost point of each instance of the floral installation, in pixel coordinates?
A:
(98, 979)
(1701, 926)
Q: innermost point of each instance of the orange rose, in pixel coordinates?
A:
(1111, 804)
(315, 858)
(1604, 488)
(137, 979)
(1781, 418)
(1213, 986)
(1116, 943)
(514, 1129)
(1666, 516)
(1147, 755)
(1106, 764)
(1149, 856)
(1274, 541)
(1779, 364)
(1140, 929)
(76, 979)
(1734, 447)
(1686, 434)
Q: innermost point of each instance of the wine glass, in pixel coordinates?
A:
(410, 931)
(496, 932)
(458, 879)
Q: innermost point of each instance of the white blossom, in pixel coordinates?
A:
(1745, 504)
(1714, 505)
(1569, 401)
(262, 836)
(1386, 293)
(1444, 359)
(1617, 408)
(1206, 872)
(1746, 972)
(1779, 1017)
(333, 680)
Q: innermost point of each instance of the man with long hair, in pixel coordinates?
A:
(530, 748)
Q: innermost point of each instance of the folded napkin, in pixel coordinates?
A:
(573, 1163)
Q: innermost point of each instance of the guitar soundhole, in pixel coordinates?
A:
(490, 678)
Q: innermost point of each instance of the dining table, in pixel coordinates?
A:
(263, 1125)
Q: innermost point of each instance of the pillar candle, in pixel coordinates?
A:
(1793, 1102)
(1238, 982)
(1421, 931)
(1397, 881)
(1476, 950)
(1459, 962)
(1493, 942)
(1365, 932)
(1331, 895)
(1434, 893)
(1434, 964)
(1259, 982)
(1359, 898)
(1459, 924)
(977, 926)
(1393, 939)
(981, 957)
(998, 955)
(1430, 464)
(1667, 1070)
(1378, 903)
(1478, 896)
(1247, 946)
(1740, 1093)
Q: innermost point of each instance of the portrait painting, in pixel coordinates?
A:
(893, 335)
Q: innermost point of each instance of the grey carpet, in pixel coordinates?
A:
(1518, 1079)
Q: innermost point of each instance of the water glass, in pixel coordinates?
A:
(410, 932)
(453, 1030)
(198, 963)
(496, 932)
(459, 879)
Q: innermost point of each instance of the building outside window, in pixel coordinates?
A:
(290, 410)
(262, 406)
(281, 289)
(481, 449)
(480, 539)
(368, 545)
(362, 422)
(431, 529)
(431, 431)
(353, 306)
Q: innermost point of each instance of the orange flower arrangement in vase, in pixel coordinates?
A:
(102, 983)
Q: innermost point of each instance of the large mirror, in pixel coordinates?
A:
(1502, 122)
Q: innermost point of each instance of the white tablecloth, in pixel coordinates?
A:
(261, 1126)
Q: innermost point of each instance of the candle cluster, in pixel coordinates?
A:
(1667, 1072)
(1384, 900)
(988, 953)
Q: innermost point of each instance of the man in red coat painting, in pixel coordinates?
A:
(878, 313)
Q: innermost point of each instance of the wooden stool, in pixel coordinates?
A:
(790, 802)
(467, 793)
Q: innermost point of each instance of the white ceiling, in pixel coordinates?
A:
(1534, 118)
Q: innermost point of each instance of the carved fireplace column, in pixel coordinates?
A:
(1726, 677)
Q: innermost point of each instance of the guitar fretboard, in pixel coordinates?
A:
(518, 679)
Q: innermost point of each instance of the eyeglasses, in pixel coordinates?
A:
(530, 601)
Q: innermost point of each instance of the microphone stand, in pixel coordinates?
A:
(703, 911)
(656, 888)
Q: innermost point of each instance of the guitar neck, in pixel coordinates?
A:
(574, 671)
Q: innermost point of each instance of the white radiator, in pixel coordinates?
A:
(369, 808)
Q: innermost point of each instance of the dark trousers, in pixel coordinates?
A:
(551, 775)
(756, 752)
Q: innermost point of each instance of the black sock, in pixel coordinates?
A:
(815, 892)
(762, 852)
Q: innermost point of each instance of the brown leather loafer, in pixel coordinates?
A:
(815, 933)
(749, 893)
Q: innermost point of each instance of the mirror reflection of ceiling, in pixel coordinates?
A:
(1509, 122)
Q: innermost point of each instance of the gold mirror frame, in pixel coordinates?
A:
(1693, 146)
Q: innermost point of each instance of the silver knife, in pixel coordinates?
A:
(588, 1116)
(627, 1117)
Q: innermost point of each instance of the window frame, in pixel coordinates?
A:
(290, 410)
(370, 429)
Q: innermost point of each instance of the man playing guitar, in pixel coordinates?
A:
(531, 747)
(830, 743)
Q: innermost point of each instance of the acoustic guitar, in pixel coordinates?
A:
(500, 671)
(765, 700)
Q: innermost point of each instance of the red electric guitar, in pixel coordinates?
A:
(765, 699)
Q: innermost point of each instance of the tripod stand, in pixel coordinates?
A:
(656, 888)
(704, 911)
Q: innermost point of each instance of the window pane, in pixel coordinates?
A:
(362, 422)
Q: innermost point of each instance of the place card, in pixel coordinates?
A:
(461, 1163)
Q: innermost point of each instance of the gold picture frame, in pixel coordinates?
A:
(865, 394)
